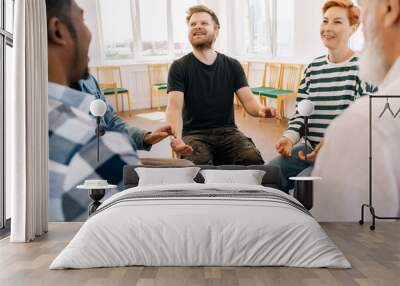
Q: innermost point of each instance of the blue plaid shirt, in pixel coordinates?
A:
(111, 121)
(73, 153)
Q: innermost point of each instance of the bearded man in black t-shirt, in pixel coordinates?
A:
(201, 89)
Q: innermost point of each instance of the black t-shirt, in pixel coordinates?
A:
(208, 90)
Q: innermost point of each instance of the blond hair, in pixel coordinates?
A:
(199, 9)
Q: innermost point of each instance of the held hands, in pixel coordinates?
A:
(158, 135)
(180, 147)
(177, 144)
(266, 112)
(284, 147)
(313, 155)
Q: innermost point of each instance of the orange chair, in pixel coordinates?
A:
(158, 81)
(108, 84)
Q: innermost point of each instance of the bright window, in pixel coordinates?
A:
(8, 86)
(270, 28)
(154, 27)
(284, 28)
(259, 37)
(180, 28)
(6, 43)
(9, 15)
(117, 29)
(133, 29)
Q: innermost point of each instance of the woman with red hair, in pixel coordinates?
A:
(331, 82)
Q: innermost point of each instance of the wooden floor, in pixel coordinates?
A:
(375, 257)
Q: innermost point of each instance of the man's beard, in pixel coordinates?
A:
(372, 61)
(205, 45)
(84, 74)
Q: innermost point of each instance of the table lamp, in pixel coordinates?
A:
(306, 109)
(98, 108)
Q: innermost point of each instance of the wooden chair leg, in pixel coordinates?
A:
(129, 103)
(279, 109)
(151, 98)
(122, 99)
(158, 101)
(264, 103)
(116, 102)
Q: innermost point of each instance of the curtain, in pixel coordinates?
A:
(27, 135)
(261, 24)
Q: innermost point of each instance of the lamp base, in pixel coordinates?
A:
(304, 193)
(96, 195)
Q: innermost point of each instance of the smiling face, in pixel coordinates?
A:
(335, 28)
(202, 31)
(68, 42)
(81, 42)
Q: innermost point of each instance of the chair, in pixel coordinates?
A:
(157, 80)
(109, 86)
(283, 84)
(270, 82)
(246, 69)
(290, 81)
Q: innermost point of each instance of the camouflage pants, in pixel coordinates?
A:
(221, 146)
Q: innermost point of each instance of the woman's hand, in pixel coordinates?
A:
(284, 147)
(313, 155)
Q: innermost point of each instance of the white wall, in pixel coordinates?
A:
(90, 8)
(308, 18)
(219, 7)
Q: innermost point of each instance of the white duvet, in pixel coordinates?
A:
(200, 231)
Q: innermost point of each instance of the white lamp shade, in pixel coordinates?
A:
(98, 107)
(305, 107)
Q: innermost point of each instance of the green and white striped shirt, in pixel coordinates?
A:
(332, 88)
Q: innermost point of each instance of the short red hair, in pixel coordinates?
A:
(353, 11)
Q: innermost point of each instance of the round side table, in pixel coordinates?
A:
(304, 190)
(96, 193)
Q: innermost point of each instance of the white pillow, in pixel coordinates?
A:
(166, 176)
(248, 177)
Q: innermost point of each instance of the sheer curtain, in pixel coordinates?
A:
(27, 135)
(260, 27)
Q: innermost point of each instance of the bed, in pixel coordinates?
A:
(198, 224)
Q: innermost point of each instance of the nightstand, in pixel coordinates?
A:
(304, 190)
(96, 193)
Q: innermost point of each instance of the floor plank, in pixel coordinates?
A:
(374, 255)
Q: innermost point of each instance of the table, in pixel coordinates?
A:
(96, 193)
(304, 190)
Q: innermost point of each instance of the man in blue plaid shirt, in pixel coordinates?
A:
(72, 140)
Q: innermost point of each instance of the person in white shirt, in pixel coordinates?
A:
(343, 162)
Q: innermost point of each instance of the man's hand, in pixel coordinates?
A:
(284, 147)
(313, 155)
(181, 147)
(158, 135)
(266, 112)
